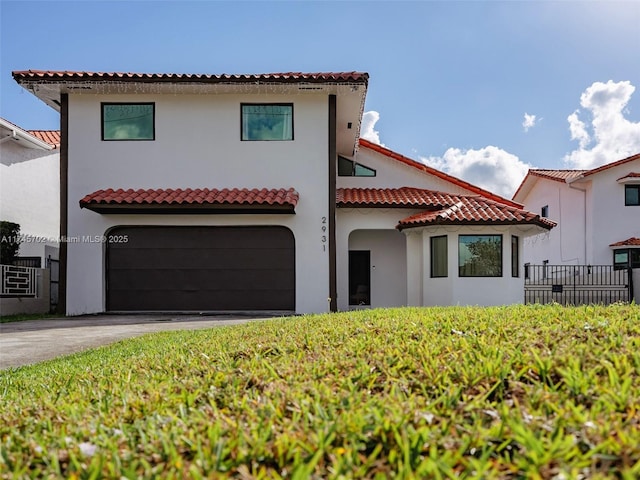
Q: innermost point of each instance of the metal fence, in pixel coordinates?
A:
(18, 281)
(577, 284)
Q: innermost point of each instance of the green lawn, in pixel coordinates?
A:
(514, 392)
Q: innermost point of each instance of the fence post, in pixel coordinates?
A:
(632, 296)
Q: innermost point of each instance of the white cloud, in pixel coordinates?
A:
(529, 122)
(367, 130)
(490, 167)
(609, 136)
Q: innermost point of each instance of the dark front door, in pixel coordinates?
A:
(200, 269)
(359, 277)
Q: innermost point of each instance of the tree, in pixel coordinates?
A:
(9, 242)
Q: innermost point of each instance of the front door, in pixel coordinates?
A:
(359, 277)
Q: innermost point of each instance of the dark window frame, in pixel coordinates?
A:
(626, 198)
(544, 211)
(633, 258)
(274, 104)
(354, 166)
(432, 245)
(515, 265)
(460, 267)
(153, 122)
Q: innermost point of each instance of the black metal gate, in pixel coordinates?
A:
(577, 284)
(54, 279)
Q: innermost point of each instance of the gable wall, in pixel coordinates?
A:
(610, 219)
(30, 195)
(391, 173)
(564, 244)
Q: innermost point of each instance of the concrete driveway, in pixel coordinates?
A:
(32, 341)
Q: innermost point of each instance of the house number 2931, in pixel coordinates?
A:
(323, 238)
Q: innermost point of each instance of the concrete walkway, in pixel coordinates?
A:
(32, 341)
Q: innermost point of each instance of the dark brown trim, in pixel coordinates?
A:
(333, 172)
(61, 308)
(179, 209)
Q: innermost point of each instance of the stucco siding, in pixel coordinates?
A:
(197, 145)
(30, 195)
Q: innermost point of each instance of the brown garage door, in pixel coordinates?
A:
(200, 269)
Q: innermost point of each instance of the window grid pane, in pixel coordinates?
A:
(632, 195)
(439, 257)
(128, 121)
(267, 122)
(515, 257)
(480, 255)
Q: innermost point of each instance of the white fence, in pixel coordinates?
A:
(24, 290)
(18, 281)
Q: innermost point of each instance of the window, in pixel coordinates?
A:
(625, 258)
(349, 168)
(632, 195)
(480, 255)
(515, 257)
(545, 211)
(439, 257)
(128, 121)
(266, 121)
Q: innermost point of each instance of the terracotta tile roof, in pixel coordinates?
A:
(629, 242)
(630, 175)
(188, 196)
(284, 77)
(437, 173)
(557, 175)
(442, 208)
(613, 164)
(408, 197)
(52, 137)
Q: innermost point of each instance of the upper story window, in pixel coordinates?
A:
(632, 195)
(349, 168)
(128, 121)
(480, 255)
(544, 212)
(266, 121)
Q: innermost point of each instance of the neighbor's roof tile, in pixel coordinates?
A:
(52, 137)
(442, 208)
(203, 196)
(629, 242)
(557, 175)
(284, 77)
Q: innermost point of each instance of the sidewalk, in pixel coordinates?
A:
(32, 341)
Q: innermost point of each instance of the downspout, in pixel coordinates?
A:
(64, 204)
(584, 210)
(333, 156)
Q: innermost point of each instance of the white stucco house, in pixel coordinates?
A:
(185, 192)
(597, 212)
(30, 189)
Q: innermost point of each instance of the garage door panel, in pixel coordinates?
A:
(197, 258)
(201, 268)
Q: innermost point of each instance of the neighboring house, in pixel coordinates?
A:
(254, 193)
(30, 189)
(597, 212)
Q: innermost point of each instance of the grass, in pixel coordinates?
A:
(509, 392)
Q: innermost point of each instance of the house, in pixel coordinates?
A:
(190, 192)
(597, 212)
(29, 189)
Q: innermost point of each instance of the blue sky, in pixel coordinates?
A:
(450, 82)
